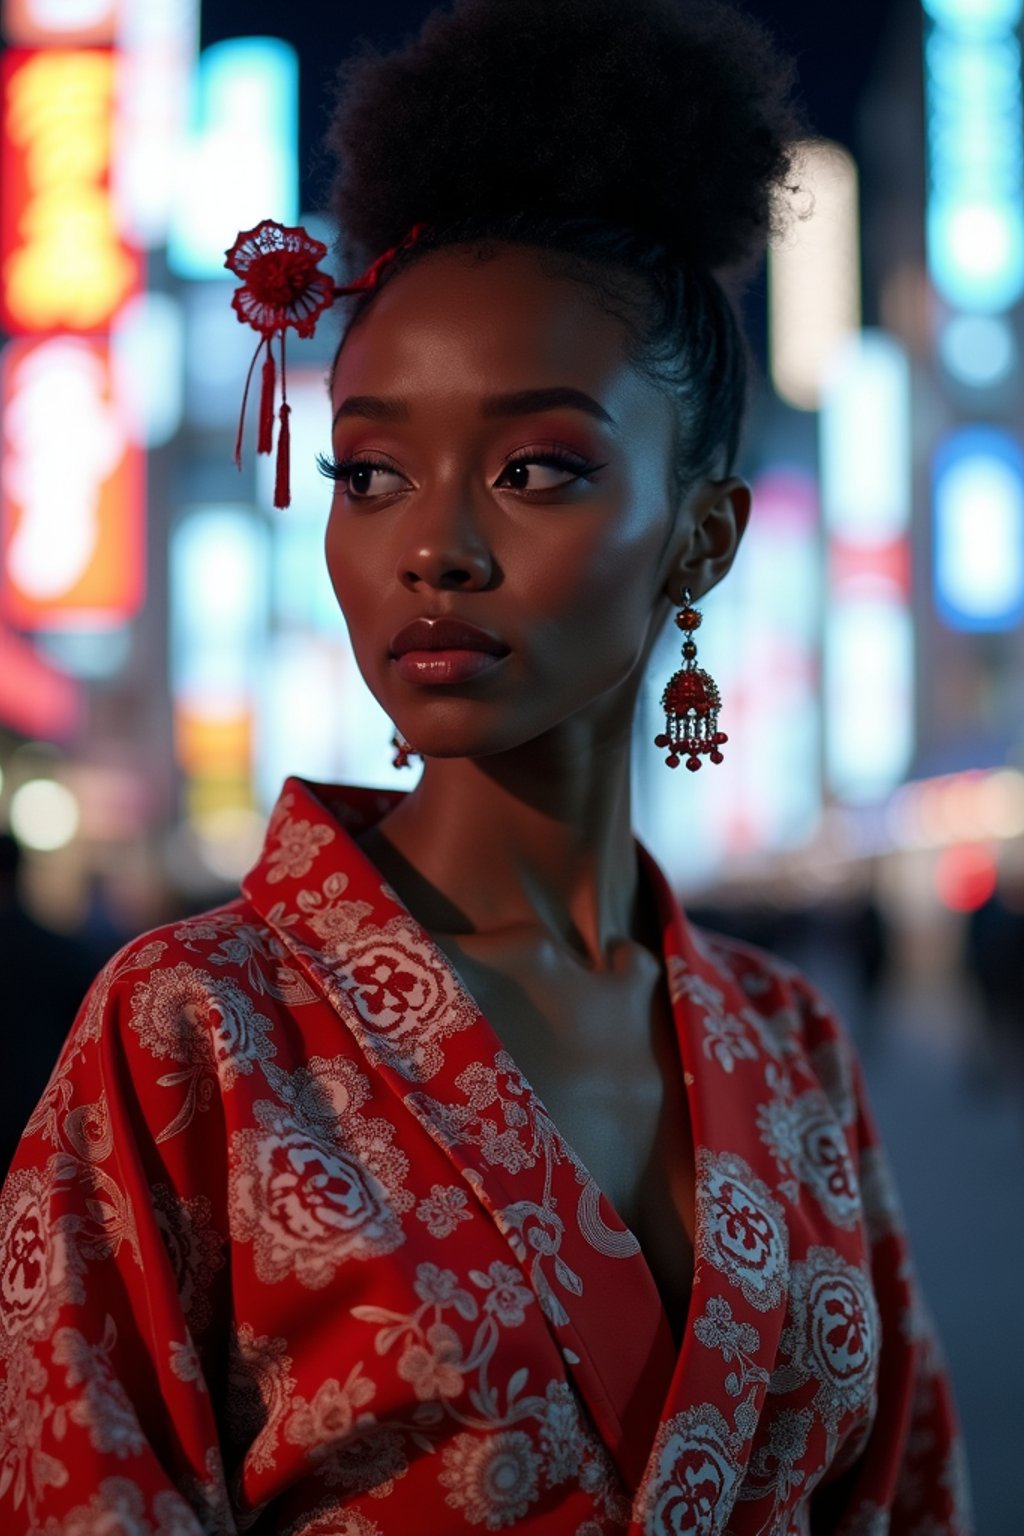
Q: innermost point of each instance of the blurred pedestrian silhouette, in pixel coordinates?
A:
(43, 978)
(994, 958)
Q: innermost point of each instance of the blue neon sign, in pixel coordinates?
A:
(978, 538)
(975, 223)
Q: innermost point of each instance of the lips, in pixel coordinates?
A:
(445, 635)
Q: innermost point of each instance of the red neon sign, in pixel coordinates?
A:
(64, 264)
(72, 494)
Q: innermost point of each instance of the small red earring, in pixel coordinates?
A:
(403, 751)
(691, 702)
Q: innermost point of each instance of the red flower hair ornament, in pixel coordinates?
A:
(282, 286)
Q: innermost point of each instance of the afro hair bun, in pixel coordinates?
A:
(672, 117)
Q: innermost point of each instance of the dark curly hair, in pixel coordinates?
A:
(640, 144)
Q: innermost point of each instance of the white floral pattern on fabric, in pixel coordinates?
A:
(260, 1384)
(832, 1068)
(208, 1025)
(298, 843)
(832, 1336)
(728, 1037)
(104, 1407)
(304, 1202)
(738, 1343)
(42, 1265)
(443, 1209)
(805, 1139)
(331, 1519)
(402, 1002)
(524, 1136)
(194, 1247)
(328, 1419)
(118, 1509)
(742, 1229)
(493, 1479)
(692, 1477)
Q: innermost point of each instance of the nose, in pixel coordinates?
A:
(445, 546)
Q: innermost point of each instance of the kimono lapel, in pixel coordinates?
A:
(741, 1244)
(423, 1034)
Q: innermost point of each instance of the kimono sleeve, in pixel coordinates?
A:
(109, 1252)
(909, 1476)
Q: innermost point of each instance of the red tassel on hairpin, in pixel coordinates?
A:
(282, 481)
(265, 440)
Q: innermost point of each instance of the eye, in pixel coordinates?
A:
(344, 471)
(552, 459)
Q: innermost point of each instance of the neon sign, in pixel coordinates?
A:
(71, 491)
(63, 263)
(975, 153)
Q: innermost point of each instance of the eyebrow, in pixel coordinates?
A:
(523, 402)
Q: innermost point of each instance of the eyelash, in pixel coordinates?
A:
(341, 470)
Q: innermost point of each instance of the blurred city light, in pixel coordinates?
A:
(44, 815)
(219, 608)
(64, 262)
(240, 160)
(72, 520)
(979, 350)
(966, 876)
(147, 355)
(975, 138)
(59, 21)
(36, 698)
(814, 275)
(868, 631)
(157, 48)
(979, 530)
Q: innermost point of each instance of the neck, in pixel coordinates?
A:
(532, 839)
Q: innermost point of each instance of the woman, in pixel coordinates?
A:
(448, 1179)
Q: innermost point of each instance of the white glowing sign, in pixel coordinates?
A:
(865, 440)
(240, 163)
(814, 275)
(218, 606)
(72, 518)
(157, 42)
(979, 530)
(866, 500)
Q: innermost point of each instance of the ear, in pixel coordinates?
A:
(718, 513)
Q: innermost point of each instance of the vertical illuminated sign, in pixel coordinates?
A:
(64, 264)
(975, 222)
(241, 155)
(71, 489)
(218, 576)
(814, 275)
(866, 500)
(978, 530)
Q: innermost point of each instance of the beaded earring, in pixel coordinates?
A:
(691, 702)
(403, 751)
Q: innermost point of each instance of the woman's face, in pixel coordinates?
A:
(453, 510)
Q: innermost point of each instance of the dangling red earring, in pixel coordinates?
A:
(403, 751)
(691, 702)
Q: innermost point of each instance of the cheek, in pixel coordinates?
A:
(602, 587)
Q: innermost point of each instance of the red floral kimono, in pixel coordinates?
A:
(290, 1245)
